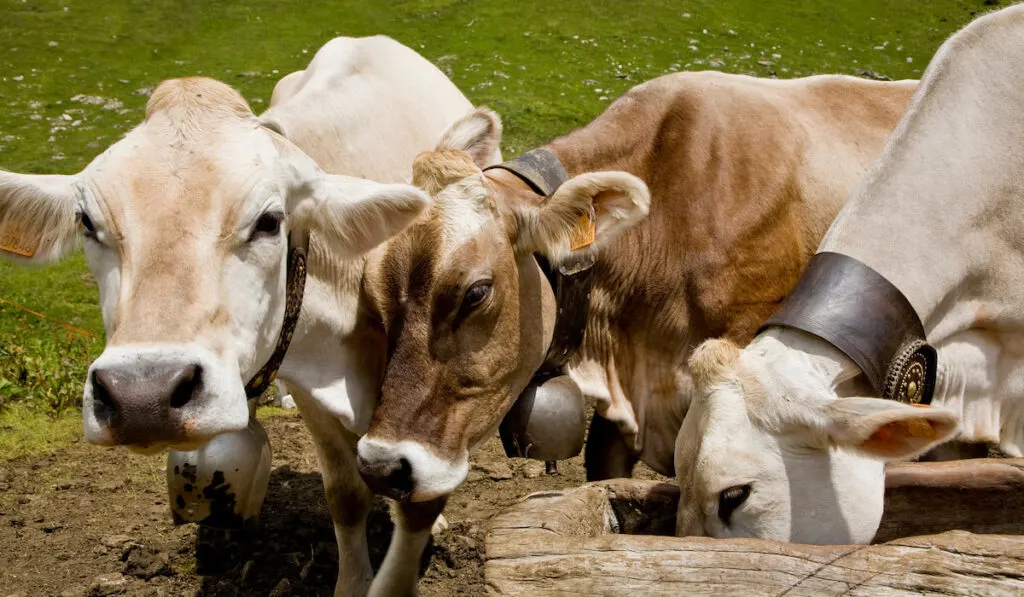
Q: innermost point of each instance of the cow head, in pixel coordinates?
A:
(768, 450)
(186, 224)
(466, 310)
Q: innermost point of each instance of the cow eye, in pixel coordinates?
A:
(269, 224)
(730, 499)
(86, 222)
(476, 294)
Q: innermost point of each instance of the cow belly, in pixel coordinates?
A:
(648, 415)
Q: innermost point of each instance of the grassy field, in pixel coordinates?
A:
(75, 75)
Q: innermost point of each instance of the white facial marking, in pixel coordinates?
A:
(464, 211)
(432, 476)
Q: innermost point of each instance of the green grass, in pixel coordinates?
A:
(74, 77)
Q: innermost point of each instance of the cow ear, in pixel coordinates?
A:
(885, 429)
(353, 215)
(713, 361)
(478, 134)
(37, 216)
(590, 209)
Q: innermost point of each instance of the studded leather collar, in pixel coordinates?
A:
(854, 308)
(293, 305)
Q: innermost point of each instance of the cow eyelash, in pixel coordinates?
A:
(86, 222)
(476, 295)
(731, 499)
(268, 225)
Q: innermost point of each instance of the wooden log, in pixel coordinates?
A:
(568, 542)
(983, 495)
(955, 563)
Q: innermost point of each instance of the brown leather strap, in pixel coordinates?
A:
(571, 284)
(854, 308)
(293, 305)
(570, 280)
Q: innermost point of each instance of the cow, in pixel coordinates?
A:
(785, 440)
(189, 224)
(706, 194)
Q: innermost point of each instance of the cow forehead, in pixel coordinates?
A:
(155, 177)
(462, 212)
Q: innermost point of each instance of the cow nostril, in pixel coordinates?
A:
(188, 383)
(104, 407)
(400, 479)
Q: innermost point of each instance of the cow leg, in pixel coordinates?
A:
(348, 498)
(607, 456)
(399, 573)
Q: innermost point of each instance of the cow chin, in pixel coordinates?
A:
(158, 396)
(408, 470)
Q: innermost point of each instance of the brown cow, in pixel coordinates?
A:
(744, 176)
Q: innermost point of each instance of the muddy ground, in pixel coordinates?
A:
(88, 521)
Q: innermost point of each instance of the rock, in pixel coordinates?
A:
(76, 592)
(497, 471)
(440, 526)
(103, 585)
(146, 562)
(283, 589)
(114, 540)
(533, 469)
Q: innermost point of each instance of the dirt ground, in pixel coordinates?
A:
(88, 521)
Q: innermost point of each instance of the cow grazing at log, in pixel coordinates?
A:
(189, 225)
(707, 194)
(778, 444)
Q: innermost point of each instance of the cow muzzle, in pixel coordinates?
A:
(407, 470)
(161, 396)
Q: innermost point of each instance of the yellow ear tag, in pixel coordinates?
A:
(583, 234)
(12, 244)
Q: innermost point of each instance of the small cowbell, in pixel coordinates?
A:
(547, 421)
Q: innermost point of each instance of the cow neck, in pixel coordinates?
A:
(541, 171)
(293, 305)
(855, 309)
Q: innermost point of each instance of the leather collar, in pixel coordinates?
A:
(293, 305)
(540, 169)
(570, 280)
(854, 308)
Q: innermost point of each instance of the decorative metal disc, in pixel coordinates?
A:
(911, 376)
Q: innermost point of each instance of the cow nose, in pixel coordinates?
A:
(143, 405)
(388, 477)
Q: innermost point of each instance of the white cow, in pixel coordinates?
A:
(186, 224)
(773, 447)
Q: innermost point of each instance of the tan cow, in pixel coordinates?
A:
(740, 176)
(186, 222)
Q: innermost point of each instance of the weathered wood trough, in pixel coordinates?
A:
(950, 528)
